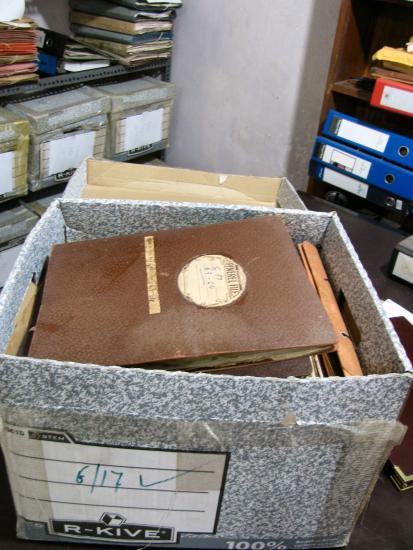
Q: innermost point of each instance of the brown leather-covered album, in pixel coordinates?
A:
(187, 298)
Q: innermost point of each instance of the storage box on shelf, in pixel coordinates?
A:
(139, 117)
(15, 223)
(14, 148)
(64, 128)
(285, 451)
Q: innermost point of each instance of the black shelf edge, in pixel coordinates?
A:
(52, 84)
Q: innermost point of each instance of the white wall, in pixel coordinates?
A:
(51, 14)
(250, 76)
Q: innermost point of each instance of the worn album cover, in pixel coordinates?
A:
(187, 298)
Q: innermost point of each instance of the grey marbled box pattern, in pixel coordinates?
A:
(305, 480)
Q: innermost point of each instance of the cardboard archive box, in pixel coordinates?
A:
(134, 456)
(64, 129)
(14, 150)
(139, 117)
(102, 179)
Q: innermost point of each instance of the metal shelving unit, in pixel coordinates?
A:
(69, 81)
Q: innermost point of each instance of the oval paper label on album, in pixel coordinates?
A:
(212, 281)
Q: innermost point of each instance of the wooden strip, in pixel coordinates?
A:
(345, 349)
(23, 321)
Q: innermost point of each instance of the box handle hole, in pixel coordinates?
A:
(389, 178)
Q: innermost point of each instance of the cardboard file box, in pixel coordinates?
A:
(64, 129)
(101, 179)
(14, 148)
(195, 460)
(139, 118)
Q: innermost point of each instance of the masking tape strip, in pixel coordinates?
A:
(151, 276)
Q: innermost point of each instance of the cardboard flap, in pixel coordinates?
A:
(108, 180)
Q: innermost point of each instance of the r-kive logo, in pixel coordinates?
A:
(112, 526)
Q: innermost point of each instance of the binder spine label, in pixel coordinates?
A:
(360, 134)
(399, 204)
(395, 98)
(345, 182)
(345, 161)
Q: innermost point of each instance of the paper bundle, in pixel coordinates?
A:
(18, 52)
(128, 31)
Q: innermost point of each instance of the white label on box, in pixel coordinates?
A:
(403, 267)
(345, 182)
(6, 177)
(143, 129)
(68, 152)
(346, 161)
(395, 98)
(112, 493)
(363, 136)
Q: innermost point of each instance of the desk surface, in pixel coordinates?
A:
(387, 522)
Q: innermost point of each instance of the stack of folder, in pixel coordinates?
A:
(366, 161)
(77, 57)
(130, 31)
(18, 52)
(398, 60)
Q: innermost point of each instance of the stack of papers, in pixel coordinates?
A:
(18, 52)
(77, 58)
(130, 31)
(395, 59)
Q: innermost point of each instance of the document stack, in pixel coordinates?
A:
(129, 31)
(64, 128)
(139, 116)
(394, 63)
(366, 161)
(77, 57)
(18, 52)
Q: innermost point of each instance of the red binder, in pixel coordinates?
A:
(393, 96)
